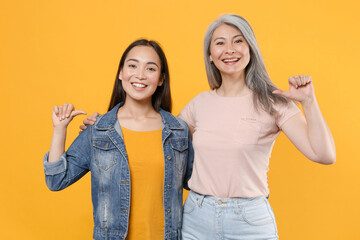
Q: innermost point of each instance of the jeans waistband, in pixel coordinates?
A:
(230, 202)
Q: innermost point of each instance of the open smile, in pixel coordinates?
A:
(230, 60)
(139, 85)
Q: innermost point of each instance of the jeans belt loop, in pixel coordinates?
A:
(236, 206)
(200, 200)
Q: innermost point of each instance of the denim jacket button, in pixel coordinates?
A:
(169, 210)
(168, 186)
(169, 157)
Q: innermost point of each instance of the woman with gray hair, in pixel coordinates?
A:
(234, 128)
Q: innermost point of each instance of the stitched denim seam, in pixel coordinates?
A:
(273, 219)
(256, 224)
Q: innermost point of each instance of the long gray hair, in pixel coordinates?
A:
(257, 78)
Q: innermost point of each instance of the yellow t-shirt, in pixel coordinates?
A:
(146, 161)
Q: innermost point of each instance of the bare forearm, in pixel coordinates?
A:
(320, 137)
(57, 146)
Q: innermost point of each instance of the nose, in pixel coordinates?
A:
(230, 49)
(140, 74)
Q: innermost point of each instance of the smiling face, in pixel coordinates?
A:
(229, 51)
(141, 73)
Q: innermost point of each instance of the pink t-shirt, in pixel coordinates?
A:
(232, 143)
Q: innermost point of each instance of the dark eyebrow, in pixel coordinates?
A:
(135, 60)
(222, 38)
(153, 63)
(131, 59)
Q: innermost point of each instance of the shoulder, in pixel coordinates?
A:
(100, 117)
(199, 99)
(183, 131)
(284, 107)
(204, 95)
(173, 122)
(285, 112)
(107, 120)
(98, 121)
(182, 123)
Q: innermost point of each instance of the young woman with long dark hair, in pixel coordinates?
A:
(140, 156)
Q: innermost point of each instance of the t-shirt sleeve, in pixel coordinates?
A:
(285, 112)
(188, 113)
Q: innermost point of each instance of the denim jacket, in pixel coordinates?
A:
(101, 150)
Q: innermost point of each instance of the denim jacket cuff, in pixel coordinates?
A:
(56, 167)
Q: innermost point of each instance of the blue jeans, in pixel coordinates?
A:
(207, 217)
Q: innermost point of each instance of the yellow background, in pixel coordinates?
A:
(53, 52)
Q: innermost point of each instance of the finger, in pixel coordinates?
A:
(60, 112)
(95, 115)
(308, 79)
(56, 110)
(77, 112)
(298, 81)
(292, 81)
(91, 118)
(83, 127)
(69, 109)
(65, 109)
(282, 93)
(303, 80)
(88, 122)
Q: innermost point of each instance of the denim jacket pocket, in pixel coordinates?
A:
(180, 147)
(104, 153)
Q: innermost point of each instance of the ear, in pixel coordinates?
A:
(211, 60)
(161, 80)
(120, 75)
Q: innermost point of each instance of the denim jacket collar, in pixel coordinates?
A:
(108, 120)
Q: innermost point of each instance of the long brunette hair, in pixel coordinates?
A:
(162, 96)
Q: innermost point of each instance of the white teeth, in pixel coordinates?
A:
(231, 60)
(139, 85)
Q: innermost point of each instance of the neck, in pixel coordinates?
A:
(139, 116)
(137, 109)
(233, 85)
